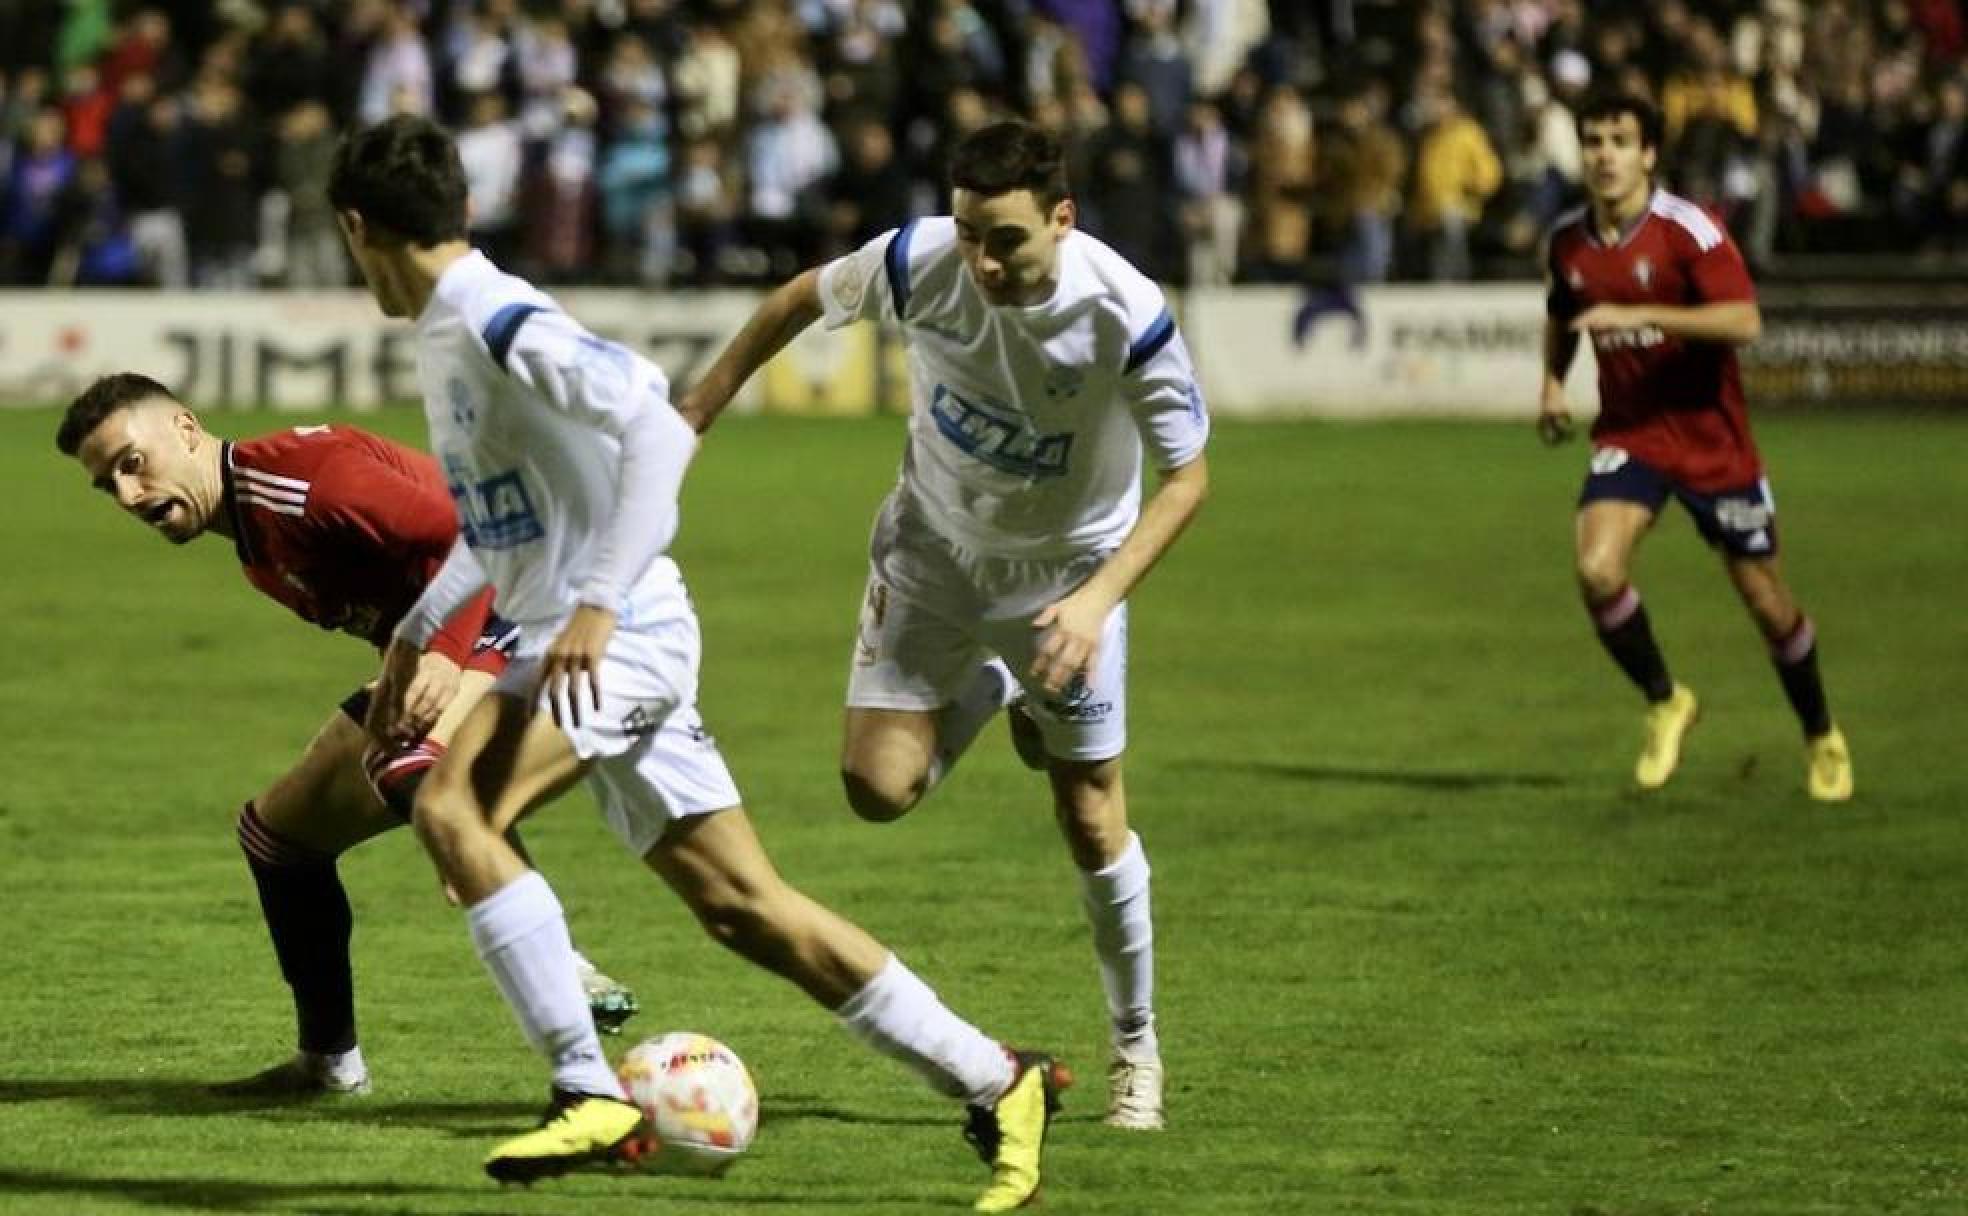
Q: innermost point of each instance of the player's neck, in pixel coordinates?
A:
(217, 518)
(1612, 218)
(422, 266)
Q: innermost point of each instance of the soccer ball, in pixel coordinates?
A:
(701, 1106)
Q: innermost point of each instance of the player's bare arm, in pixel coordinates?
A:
(1735, 322)
(784, 315)
(1073, 624)
(1554, 421)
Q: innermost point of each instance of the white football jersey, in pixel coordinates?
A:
(1027, 426)
(528, 414)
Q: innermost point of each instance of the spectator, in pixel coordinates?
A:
(1155, 60)
(397, 77)
(494, 162)
(222, 228)
(302, 162)
(1456, 173)
(560, 223)
(1129, 168)
(871, 193)
(1281, 187)
(145, 148)
(706, 80)
(292, 64)
(92, 246)
(707, 212)
(41, 172)
(1362, 162)
(1208, 174)
(789, 155)
(637, 213)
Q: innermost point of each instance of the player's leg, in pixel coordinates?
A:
(715, 863)
(292, 836)
(504, 760)
(1083, 734)
(919, 690)
(1793, 641)
(1618, 504)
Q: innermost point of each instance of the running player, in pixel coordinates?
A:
(1041, 365)
(1665, 297)
(565, 458)
(344, 528)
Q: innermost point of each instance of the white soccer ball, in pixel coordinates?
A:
(700, 1102)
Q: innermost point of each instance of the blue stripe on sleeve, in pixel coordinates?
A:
(896, 260)
(1150, 343)
(504, 327)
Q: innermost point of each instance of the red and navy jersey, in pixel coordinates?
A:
(345, 528)
(1673, 403)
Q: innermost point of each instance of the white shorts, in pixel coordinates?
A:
(651, 760)
(932, 612)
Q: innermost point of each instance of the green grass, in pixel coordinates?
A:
(1421, 951)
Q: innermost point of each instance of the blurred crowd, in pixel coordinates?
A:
(696, 142)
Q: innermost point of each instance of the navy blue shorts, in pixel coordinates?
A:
(1742, 522)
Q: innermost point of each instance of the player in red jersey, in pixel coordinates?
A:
(1666, 298)
(345, 528)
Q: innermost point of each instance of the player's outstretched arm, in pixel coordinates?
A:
(781, 318)
(1073, 625)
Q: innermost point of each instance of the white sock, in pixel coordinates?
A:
(991, 688)
(521, 934)
(341, 1065)
(898, 1015)
(1116, 901)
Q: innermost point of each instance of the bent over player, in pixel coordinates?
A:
(566, 459)
(1663, 293)
(1041, 364)
(344, 528)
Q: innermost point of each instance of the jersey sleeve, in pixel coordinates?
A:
(375, 511)
(458, 637)
(609, 387)
(1158, 382)
(870, 284)
(456, 582)
(1719, 273)
(1560, 301)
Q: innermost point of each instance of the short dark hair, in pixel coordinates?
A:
(402, 176)
(99, 401)
(1611, 104)
(1012, 155)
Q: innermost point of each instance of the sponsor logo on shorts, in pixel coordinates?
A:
(1075, 703)
(1742, 514)
(639, 722)
(1608, 460)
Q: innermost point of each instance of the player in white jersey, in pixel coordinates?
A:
(565, 458)
(1041, 364)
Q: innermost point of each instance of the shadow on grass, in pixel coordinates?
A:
(195, 1099)
(208, 1194)
(794, 1107)
(1413, 779)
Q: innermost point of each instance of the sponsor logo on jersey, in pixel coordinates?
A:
(495, 512)
(1640, 337)
(1002, 438)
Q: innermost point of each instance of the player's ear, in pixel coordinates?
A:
(184, 424)
(352, 226)
(1065, 215)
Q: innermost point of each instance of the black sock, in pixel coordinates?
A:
(307, 915)
(1631, 643)
(1797, 667)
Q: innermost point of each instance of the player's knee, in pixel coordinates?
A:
(880, 797)
(1601, 575)
(442, 815)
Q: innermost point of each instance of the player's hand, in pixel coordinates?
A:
(570, 673)
(400, 663)
(1609, 316)
(1072, 629)
(1554, 424)
(428, 695)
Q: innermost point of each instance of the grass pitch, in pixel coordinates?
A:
(1421, 949)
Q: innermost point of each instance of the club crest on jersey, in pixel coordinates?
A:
(1000, 437)
(1643, 273)
(849, 279)
(1062, 381)
(464, 411)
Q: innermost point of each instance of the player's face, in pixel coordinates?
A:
(1010, 244)
(1617, 164)
(146, 457)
